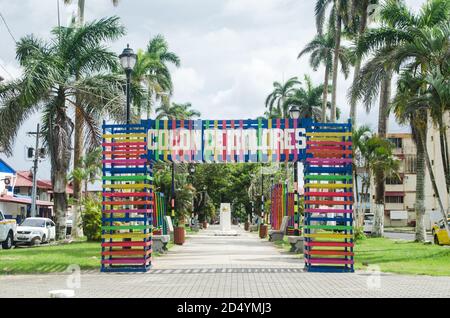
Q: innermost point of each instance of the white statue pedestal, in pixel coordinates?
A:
(225, 221)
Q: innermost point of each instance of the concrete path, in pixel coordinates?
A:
(225, 267)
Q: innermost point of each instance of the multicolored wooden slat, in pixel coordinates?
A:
(328, 222)
(128, 200)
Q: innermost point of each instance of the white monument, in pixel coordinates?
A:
(225, 220)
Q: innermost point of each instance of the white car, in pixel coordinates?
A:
(7, 232)
(35, 231)
(368, 222)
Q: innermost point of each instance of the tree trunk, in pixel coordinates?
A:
(325, 94)
(81, 4)
(59, 143)
(423, 140)
(337, 48)
(385, 95)
(78, 155)
(445, 154)
(420, 191)
(362, 29)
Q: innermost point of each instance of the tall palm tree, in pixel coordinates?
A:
(176, 111)
(321, 50)
(49, 85)
(339, 16)
(362, 15)
(79, 122)
(152, 74)
(392, 45)
(281, 92)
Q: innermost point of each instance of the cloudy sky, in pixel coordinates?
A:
(231, 50)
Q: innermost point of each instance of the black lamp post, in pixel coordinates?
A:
(128, 61)
(294, 113)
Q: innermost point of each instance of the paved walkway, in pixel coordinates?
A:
(242, 266)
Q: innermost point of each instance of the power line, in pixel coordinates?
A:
(7, 27)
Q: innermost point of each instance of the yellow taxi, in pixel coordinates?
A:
(440, 234)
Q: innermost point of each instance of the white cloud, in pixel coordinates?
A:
(187, 81)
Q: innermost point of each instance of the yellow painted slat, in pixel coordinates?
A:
(126, 235)
(326, 138)
(127, 186)
(329, 235)
(117, 136)
(327, 186)
(329, 134)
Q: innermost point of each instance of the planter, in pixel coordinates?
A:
(205, 224)
(247, 226)
(263, 231)
(179, 235)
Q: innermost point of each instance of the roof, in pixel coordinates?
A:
(4, 167)
(25, 179)
(11, 199)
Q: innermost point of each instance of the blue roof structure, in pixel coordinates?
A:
(5, 168)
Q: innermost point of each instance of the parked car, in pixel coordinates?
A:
(7, 231)
(440, 234)
(35, 231)
(368, 222)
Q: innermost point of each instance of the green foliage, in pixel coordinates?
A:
(359, 234)
(92, 219)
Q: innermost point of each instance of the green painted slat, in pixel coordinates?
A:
(329, 227)
(126, 227)
(327, 177)
(126, 178)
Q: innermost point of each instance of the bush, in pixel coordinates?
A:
(359, 234)
(92, 219)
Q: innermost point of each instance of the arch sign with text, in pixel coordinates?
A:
(130, 151)
(275, 140)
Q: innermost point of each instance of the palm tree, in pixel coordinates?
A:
(49, 84)
(308, 100)
(392, 45)
(281, 92)
(176, 111)
(378, 156)
(79, 122)
(360, 136)
(340, 15)
(362, 16)
(410, 106)
(151, 75)
(321, 49)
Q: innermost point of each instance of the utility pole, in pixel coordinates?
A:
(35, 168)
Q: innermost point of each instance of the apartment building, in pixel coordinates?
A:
(400, 193)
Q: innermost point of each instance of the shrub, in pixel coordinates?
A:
(92, 219)
(359, 234)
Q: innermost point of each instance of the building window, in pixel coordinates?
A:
(397, 142)
(394, 180)
(394, 199)
(410, 164)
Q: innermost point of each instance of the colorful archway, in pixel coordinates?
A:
(129, 152)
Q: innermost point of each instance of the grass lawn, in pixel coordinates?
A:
(52, 259)
(403, 257)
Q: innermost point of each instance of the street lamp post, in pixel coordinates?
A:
(294, 113)
(128, 60)
(172, 195)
